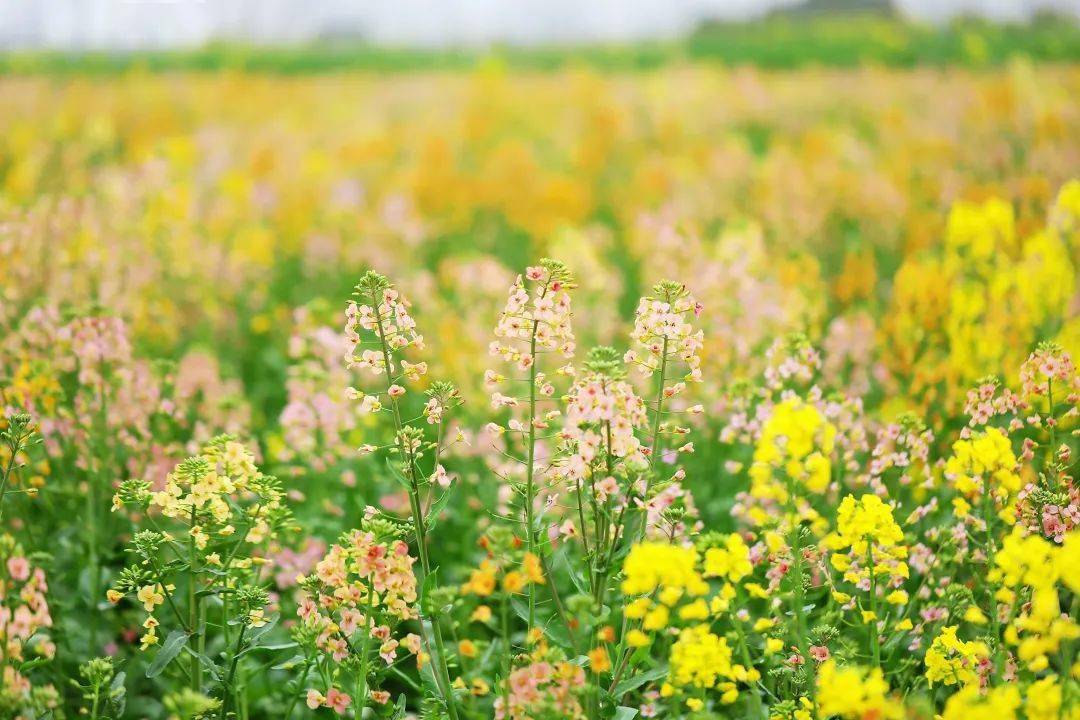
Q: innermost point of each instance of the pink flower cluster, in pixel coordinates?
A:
(391, 319)
(1048, 365)
(600, 410)
(317, 420)
(363, 585)
(538, 311)
(290, 563)
(542, 689)
(987, 401)
(97, 342)
(790, 360)
(902, 450)
(662, 331)
(24, 614)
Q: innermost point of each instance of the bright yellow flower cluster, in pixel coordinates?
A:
(653, 565)
(856, 693)
(1039, 628)
(970, 703)
(975, 231)
(484, 580)
(867, 528)
(199, 490)
(952, 661)
(867, 517)
(1042, 701)
(796, 440)
(701, 659)
(987, 457)
(732, 561)
(957, 313)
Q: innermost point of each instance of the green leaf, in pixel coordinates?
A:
(291, 663)
(169, 650)
(633, 683)
(428, 677)
(553, 628)
(625, 713)
(211, 667)
(562, 562)
(118, 693)
(257, 633)
(429, 585)
(437, 507)
(401, 480)
(277, 646)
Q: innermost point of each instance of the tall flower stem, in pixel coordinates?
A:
(193, 609)
(442, 673)
(875, 642)
(296, 695)
(802, 639)
(16, 434)
(658, 408)
(230, 680)
(362, 680)
(639, 532)
(504, 627)
(755, 698)
(990, 552)
(530, 471)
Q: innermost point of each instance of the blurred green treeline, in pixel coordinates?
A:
(779, 41)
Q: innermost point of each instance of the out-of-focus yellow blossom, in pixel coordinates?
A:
(975, 231)
(796, 442)
(987, 457)
(1043, 700)
(1039, 628)
(702, 659)
(866, 528)
(481, 581)
(957, 313)
(970, 703)
(732, 561)
(952, 661)
(653, 565)
(855, 693)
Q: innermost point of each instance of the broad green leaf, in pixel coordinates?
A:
(169, 650)
(294, 661)
(210, 666)
(639, 679)
(437, 507)
(396, 473)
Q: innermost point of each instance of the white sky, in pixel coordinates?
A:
(178, 23)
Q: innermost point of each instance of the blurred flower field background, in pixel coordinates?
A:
(335, 393)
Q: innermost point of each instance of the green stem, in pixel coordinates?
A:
(1050, 412)
(658, 408)
(15, 448)
(557, 600)
(990, 552)
(875, 643)
(362, 682)
(97, 700)
(230, 679)
(530, 480)
(505, 628)
(193, 608)
(300, 688)
(802, 640)
(755, 698)
(442, 672)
